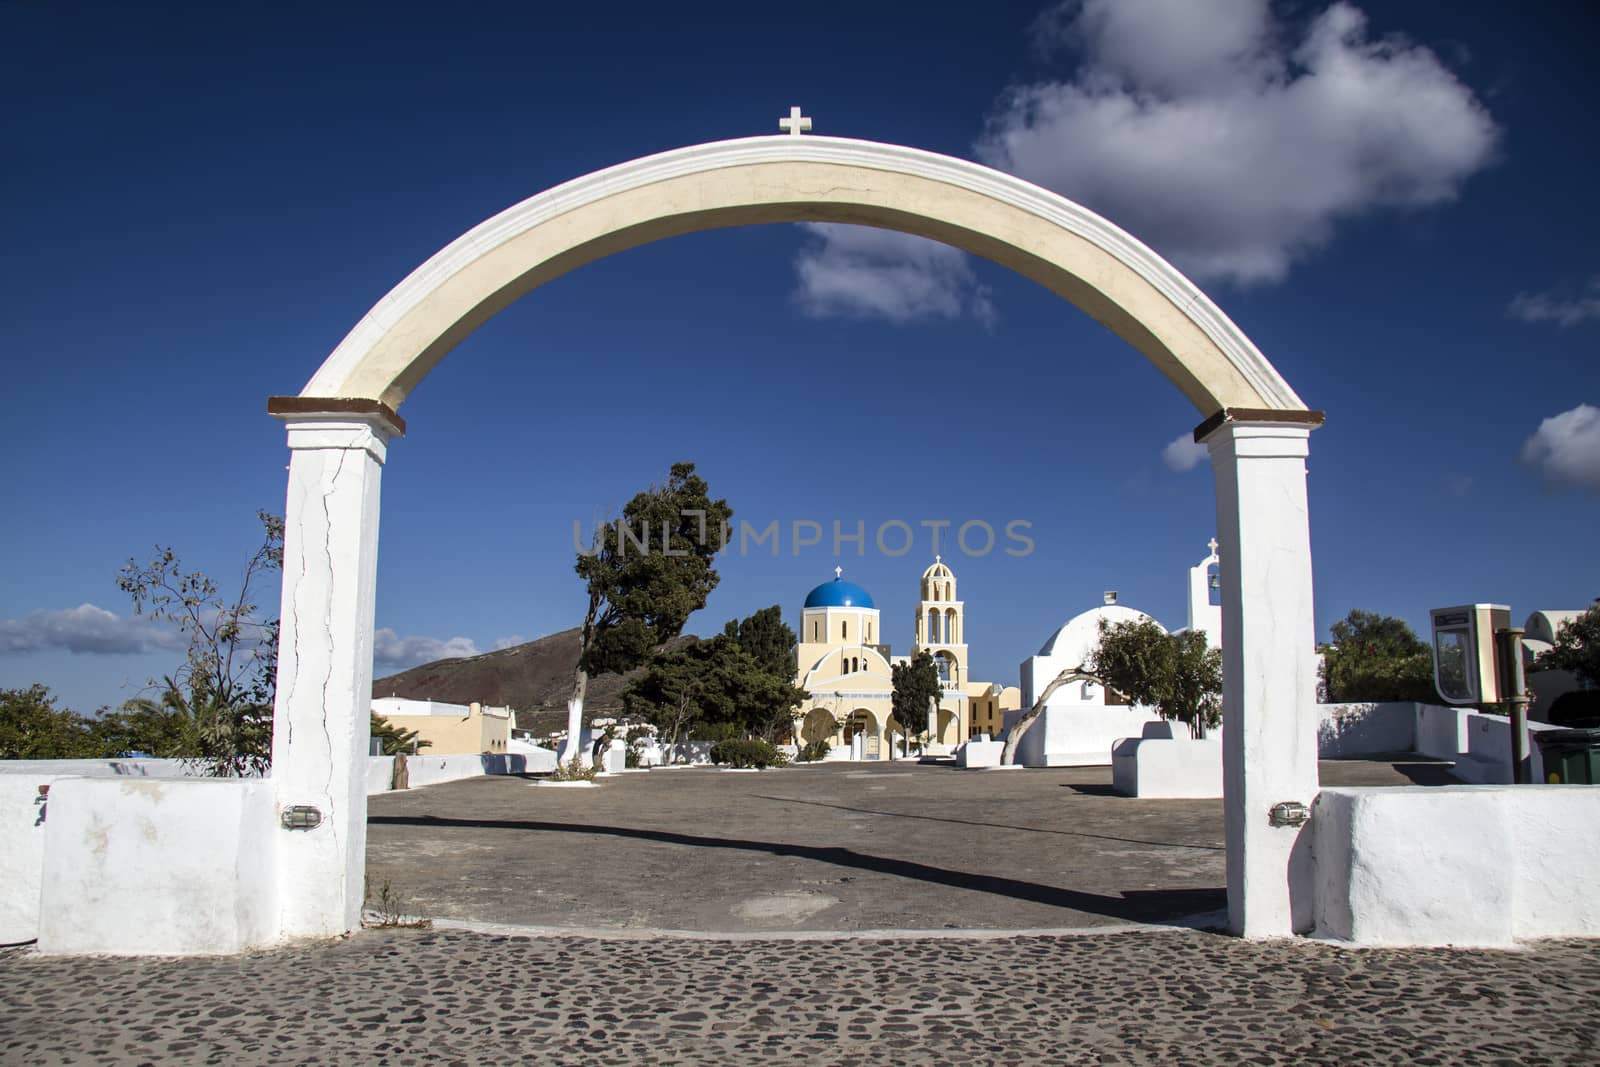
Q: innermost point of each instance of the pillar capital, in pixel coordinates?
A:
(1238, 421)
(334, 423)
(1259, 440)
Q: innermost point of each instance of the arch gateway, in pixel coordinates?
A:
(340, 425)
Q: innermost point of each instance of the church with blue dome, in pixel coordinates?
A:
(846, 665)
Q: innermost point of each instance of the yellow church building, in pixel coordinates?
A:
(846, 665)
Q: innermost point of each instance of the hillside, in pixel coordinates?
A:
(535, 678)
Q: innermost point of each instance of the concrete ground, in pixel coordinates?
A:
(835, 847)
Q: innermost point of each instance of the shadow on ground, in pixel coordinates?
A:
(1137, 906)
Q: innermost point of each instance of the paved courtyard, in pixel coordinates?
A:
(837, 847)
(774, 875)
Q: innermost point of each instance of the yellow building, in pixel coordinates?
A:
(449, 729)
(846, 666)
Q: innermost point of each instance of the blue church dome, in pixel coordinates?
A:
(839, 594)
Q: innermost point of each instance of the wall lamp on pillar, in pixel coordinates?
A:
(301, 817)
(1288, 813)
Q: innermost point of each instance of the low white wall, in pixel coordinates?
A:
(104, 768)
(980, 753)
(1078, 736)
(1456, 865)
(1479, 744)
(1357, 730)
(21, 855)
(424, 769)
(1168, 769)
(134, 866)
(690, 752)
(380, 774)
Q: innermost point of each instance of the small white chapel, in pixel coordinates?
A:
(1083, 720)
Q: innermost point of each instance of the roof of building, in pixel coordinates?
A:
(839, 594)
(1081, 634)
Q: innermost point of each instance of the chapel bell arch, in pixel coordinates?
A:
(340, 425)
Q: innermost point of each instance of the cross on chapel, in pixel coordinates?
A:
(795, 124)
(838, 572)
(1212, 544)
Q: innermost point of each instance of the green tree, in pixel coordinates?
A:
(1577, 648)
(915, 684)
(1375, 658)
(646, 573)
(767, 638)
(762, 673)
(226, 685)
(167, 726)
(393, 739)
(718, 685)
(32, 727)
(1177, 674)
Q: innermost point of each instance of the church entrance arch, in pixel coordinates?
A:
(340, 425)
(818, 725)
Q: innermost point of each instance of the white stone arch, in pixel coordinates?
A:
(340, 424)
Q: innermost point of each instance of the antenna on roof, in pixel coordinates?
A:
(1110, 596)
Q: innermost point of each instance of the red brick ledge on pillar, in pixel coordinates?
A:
(290, 406)
(1312, 419)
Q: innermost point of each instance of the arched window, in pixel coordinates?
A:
(844, 631)
(816, 631)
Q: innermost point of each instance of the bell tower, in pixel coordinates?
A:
(940, 625)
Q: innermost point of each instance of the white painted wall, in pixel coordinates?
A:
(135, 866)
(1359, 730)
(1456, 865)
(432, 770)
(1168, 769)
(21, 855)
(104, 768)
(979, 753)
(1079, 734)
(695, 753)
(1479, 744)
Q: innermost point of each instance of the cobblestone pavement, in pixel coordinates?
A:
(842, 847)
(1168, 997)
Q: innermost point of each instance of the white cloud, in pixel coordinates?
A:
(1204, 128)
(1566, 448)
(1563, 309)
(87, 630)
(393, 652)
(1183, 453)
(865, 272)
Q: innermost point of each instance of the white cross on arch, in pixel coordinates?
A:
(795, 124)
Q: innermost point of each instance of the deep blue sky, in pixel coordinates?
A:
(200, 203)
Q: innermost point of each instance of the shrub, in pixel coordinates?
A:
(717, 731)
(575, 770)
(815, 750)
(747, 753)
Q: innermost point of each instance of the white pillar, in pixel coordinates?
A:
(324, 698)
(1269, 675)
